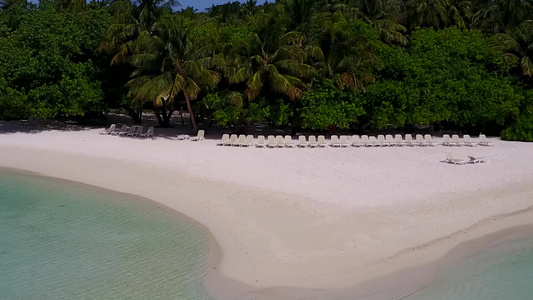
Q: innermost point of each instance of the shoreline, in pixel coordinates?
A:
(256, 226)
(486, 234)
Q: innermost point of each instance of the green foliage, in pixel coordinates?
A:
(280, 112)
(328, 105)
(521, 130)
(227, 108)
(291, 62)
(448, 75)
(224, 112)
(46, 65)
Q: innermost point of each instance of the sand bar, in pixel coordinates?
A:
(290, 220)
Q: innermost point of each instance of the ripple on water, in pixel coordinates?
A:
(501, 272)
(60, 240)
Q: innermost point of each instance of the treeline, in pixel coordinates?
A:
(301, 64)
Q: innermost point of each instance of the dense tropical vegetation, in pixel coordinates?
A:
(301, 64)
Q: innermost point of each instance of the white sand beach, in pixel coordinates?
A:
(321, 219)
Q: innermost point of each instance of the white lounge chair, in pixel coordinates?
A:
(334, 141)
(390, 140)
(288, 142)
(224, 140)
(271, 141)
(476, 160)
(248, 141)
(429, 140)
(483, 141)
(420, 140)
(322, 141)
(372, 141)
(232, 140)
(138, 131)
(109, 130)
(182, 137)
(130, 131)
(260, 141)
(280, 142)
(123, 130)
(468, 141)
(344, 141)
(446, 140)
(241, 140)
(356, 141)
(450, 159)
(302, 143)
(117, 131)
(399, 140)
(312, 142)
(409, 140)
(148, 134)
(456, 141)
(365, 140)
(381, 141)
(199, 136)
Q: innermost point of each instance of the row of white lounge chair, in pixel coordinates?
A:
(133, 131)
(455, 140)
(335, 141)
(344, 141)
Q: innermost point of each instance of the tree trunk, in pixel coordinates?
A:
(157, 113)
(191, 113)
(166, 118)
(163, 115)
(136, 114)
(181, 117)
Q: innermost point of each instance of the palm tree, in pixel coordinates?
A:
(391, 32)
(275, 68)
(497, 16)
(173, 63)
(349, 56)
(438, 13)
(383, 16)
(225, 13)
(132, 23)
(517, 45)
(73, 5)
(269, 59)
(300, 13)
(249, 8)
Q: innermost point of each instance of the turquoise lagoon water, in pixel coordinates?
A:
(60, 240)
(503, 272)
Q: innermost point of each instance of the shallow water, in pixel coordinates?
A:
(501, 272)
(60, 240)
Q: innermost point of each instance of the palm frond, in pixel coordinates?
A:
(192, 89)
(254, 86)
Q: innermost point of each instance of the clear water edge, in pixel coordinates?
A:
(60, 240)
(64, 241)
(503, 271)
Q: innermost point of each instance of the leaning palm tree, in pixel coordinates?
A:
(173, 63)
(517, 45)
